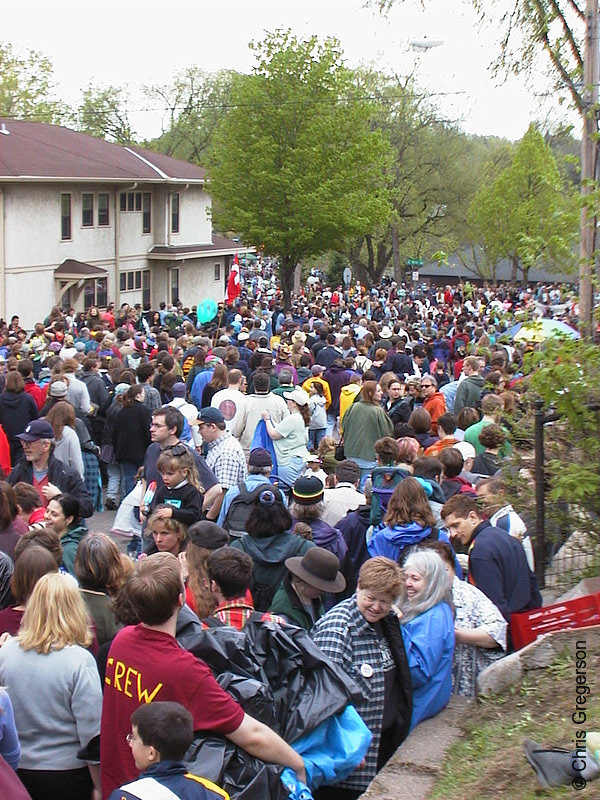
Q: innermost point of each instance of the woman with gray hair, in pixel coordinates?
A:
(427, 623)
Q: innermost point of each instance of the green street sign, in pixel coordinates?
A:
(414, 262)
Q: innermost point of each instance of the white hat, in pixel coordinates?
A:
(299, 396)
(466, 449)
(386, 332)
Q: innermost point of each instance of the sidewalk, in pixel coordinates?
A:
(413, 770)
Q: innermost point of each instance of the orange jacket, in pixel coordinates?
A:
(436, 405)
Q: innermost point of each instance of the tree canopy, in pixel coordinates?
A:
(103, 113)
(525, 213)
(296, 166)
(27, 88)
(195, 102)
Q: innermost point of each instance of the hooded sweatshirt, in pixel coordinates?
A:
(336, 377)
(392, 542)
(269, 555)
(70, 542)
(347, 397)
(468, 393)
(328, 537)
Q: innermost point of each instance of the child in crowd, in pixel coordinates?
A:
(314, 468)
(161, 734)
(181, 493)
(29, 504)
(326, 453)
(318, 415)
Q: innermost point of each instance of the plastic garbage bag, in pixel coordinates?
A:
(303, 685)
(296, 790)
(238, 773)
(127, 522)
(280, 677)
(334, 749)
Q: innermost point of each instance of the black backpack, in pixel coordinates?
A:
(239, 510)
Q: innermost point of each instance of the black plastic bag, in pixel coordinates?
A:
(240, 774)
(280, 677)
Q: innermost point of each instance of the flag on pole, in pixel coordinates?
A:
(233, 284)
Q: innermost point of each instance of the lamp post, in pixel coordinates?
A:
(589, 162)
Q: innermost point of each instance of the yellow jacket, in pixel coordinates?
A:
(326, 390)
(347, 395)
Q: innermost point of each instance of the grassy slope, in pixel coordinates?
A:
(489, 762)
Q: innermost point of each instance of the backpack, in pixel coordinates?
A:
(385, 480)
(188, 363)
(267, 577)
(239, 509)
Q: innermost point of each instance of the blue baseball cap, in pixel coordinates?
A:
(37, 429)
(211, 414)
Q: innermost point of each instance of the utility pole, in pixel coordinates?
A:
(589, 159)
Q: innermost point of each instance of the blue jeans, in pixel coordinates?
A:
(366, 468)
(129, 469)
(331, 418)
(115, 477)
(288, 473)
(315, 436)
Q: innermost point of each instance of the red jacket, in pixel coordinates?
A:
(4, 453)
(39, 395)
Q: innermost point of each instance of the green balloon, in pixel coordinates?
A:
(207, 310)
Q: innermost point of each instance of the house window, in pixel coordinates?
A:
(175, 212)
(128, 281)
(146, 288)
(103, 210)
(87, 210)
(137, 201)
(146, 212)
(101, 292)
(95, 292)
(217, 272)
(174, 285)
(65, 216)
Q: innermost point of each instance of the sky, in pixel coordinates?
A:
(133, 43)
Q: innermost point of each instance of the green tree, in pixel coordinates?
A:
(565, 32)
(195, 102)
(27, 89)
(295, 166)
(431, 179)
(525, 214)
(103, 113)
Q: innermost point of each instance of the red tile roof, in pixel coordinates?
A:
(35, 150)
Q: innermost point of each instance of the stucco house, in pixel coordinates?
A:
(84, 222)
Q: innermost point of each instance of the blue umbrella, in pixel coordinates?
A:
(540, 330)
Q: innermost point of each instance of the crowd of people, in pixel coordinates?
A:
(339, 466)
